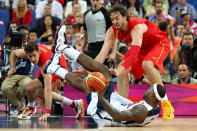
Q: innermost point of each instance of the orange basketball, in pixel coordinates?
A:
(95, 82)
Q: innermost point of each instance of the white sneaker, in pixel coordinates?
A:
(60, 40)
(53, 64)
(79, 108)
(27, 113)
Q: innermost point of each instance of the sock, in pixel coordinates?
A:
(67, 101)
(71, 53)
(165, 98)
(61, 72)
(31, 104)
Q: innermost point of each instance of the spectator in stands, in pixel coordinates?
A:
(186, 52)
(176, 40)
(4, 4)
(159, 13)
(47, 29)
(135, 5)
(106, 4)
(79, 17)
(78, 43)
(131, 14)
(70, 32)
(33, 36)
(18, 77)
(13, 25)
(190, 24)
(21, 14)
(47, 11)
(50, 41)
(95, 35)
(69, 6)
(76, 9)
(150, 9)
(184, 76)
(57, 9)
(182, 5)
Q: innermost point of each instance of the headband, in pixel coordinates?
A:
(156, 92)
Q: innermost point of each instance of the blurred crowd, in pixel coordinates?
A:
(23, 21)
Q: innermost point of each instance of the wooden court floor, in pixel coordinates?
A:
(60, 123)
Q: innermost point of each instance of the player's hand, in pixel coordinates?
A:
(118, 70)
(44, 117)
(11, 72)
(79, 73)
(111, 57)
(100, 94)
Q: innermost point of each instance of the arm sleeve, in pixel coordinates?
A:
(107, 18)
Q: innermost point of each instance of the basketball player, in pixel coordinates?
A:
(40, 55)
(108, 108)
(149, 47)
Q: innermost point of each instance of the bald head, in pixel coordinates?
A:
(183, 71)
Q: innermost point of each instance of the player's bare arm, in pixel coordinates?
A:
(109, 41)
(137, 34)
(47, 93)
(20, 53)
(138, 113)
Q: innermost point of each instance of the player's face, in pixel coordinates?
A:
(33, 56)
(117, 20)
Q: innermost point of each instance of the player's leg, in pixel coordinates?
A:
(31, 89)
(123, 84)
(155, 58)
(151, 72)
(88, 63)
(77, 105)
(54, 66)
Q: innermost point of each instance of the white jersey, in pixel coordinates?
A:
(121, 104)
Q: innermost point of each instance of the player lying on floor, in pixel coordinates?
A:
(108, 108)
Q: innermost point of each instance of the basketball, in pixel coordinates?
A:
(95, 82)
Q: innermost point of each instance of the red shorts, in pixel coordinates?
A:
(156, 53)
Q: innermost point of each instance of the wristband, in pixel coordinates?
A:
(48, 111)
(132, 56)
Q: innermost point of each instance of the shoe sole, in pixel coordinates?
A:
(81, 114)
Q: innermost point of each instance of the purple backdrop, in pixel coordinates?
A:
(183, 97)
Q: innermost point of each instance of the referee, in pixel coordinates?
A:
(96, 23)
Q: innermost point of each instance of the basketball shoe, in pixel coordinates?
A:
(60, 40)
(53, 65)
(78, 106)
(168, 110)
(27, 113)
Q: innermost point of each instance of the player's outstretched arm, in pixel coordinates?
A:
(109, 41)
(137, 113)
(47, 94)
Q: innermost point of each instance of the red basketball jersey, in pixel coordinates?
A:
(153, 35)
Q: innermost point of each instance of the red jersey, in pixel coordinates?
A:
(45, 54)
(153, 35)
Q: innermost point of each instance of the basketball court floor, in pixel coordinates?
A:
(60, 123)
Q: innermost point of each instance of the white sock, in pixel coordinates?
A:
(31, 104)
(67, 101)
(61, 72)
(71, 53)
(165, 98)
